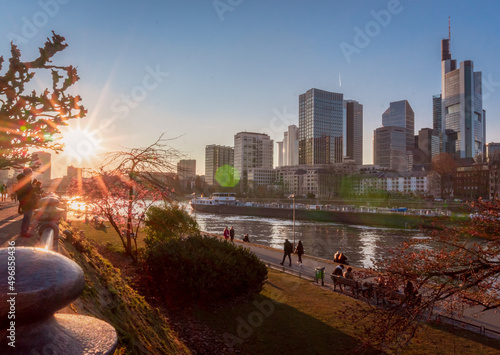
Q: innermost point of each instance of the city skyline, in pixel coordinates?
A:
(203, 74)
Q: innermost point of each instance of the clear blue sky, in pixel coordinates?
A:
(240, 65)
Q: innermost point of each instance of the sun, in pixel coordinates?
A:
(80, 144)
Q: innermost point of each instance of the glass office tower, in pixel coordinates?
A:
(320, 127)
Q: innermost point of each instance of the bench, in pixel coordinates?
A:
(355, 286)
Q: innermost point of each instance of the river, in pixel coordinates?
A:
(361, 244)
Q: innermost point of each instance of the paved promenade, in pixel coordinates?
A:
(10, 225)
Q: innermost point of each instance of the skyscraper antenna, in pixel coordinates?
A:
(449, 27)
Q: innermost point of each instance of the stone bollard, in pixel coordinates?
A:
(34, 284)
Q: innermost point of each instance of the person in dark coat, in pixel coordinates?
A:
(299, 250)
(287, 250)
(231, 234)
(27, 200)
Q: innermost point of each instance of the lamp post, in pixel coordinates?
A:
(293, 214)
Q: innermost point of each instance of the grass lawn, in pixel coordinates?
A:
(294, 316)
(107, 237)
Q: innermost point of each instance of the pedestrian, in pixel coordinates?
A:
(336, 257)
(27, 200)
(343, 259)
(245, 238)
(339, 270)
(299, 250)
(3, 192)
(231, 234)
(287, 251)
(348, 274)
(226, 234)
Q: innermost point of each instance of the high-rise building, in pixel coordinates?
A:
(186, 168)
(215, 157)
(353, 136)
(320, 127)
(281, 153)
(252, 150)
(43, 171)
(463, 118)
(288, 152)
(428, 144)
(400, 114)
(491, 149)
(73, 173)
(389, 148)
(437, 120)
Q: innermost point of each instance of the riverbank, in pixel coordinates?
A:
(399, 220)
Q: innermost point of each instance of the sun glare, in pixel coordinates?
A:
(80, 144)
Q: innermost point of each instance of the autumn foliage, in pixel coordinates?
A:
(454, 268)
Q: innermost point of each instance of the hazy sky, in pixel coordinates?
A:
(205, 70)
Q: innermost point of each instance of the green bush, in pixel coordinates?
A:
(204, 269)
(167, 222)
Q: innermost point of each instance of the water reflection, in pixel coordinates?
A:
(361, 244)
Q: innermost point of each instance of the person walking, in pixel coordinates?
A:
(299, 250)
(27, 200)
(287, 251)
(226, 234)
(231, 234)
(3, 192)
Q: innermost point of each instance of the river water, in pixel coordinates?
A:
(361, 244)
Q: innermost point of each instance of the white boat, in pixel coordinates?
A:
(217, 199)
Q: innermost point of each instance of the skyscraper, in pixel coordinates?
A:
(320, 127)
(288, 154)
(186, 168)
(463, 118)
(215, 157)
(389, 148)
(353, 136)
(252, 150)
(437, 120)
(400, 114)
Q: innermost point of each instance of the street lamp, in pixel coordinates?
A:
(293, 214)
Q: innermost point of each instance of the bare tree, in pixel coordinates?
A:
(128, 183)
(444, 167)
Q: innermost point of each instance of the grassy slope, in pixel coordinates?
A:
(141, 329)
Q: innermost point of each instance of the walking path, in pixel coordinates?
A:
(10, 225)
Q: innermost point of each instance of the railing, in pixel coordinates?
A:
(481, 329)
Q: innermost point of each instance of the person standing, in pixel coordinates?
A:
(226, 234)
(287, 251)
(231, 234)
(3, 192)
(299, 250)
(27, 200)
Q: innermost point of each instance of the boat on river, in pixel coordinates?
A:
(401, 217)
